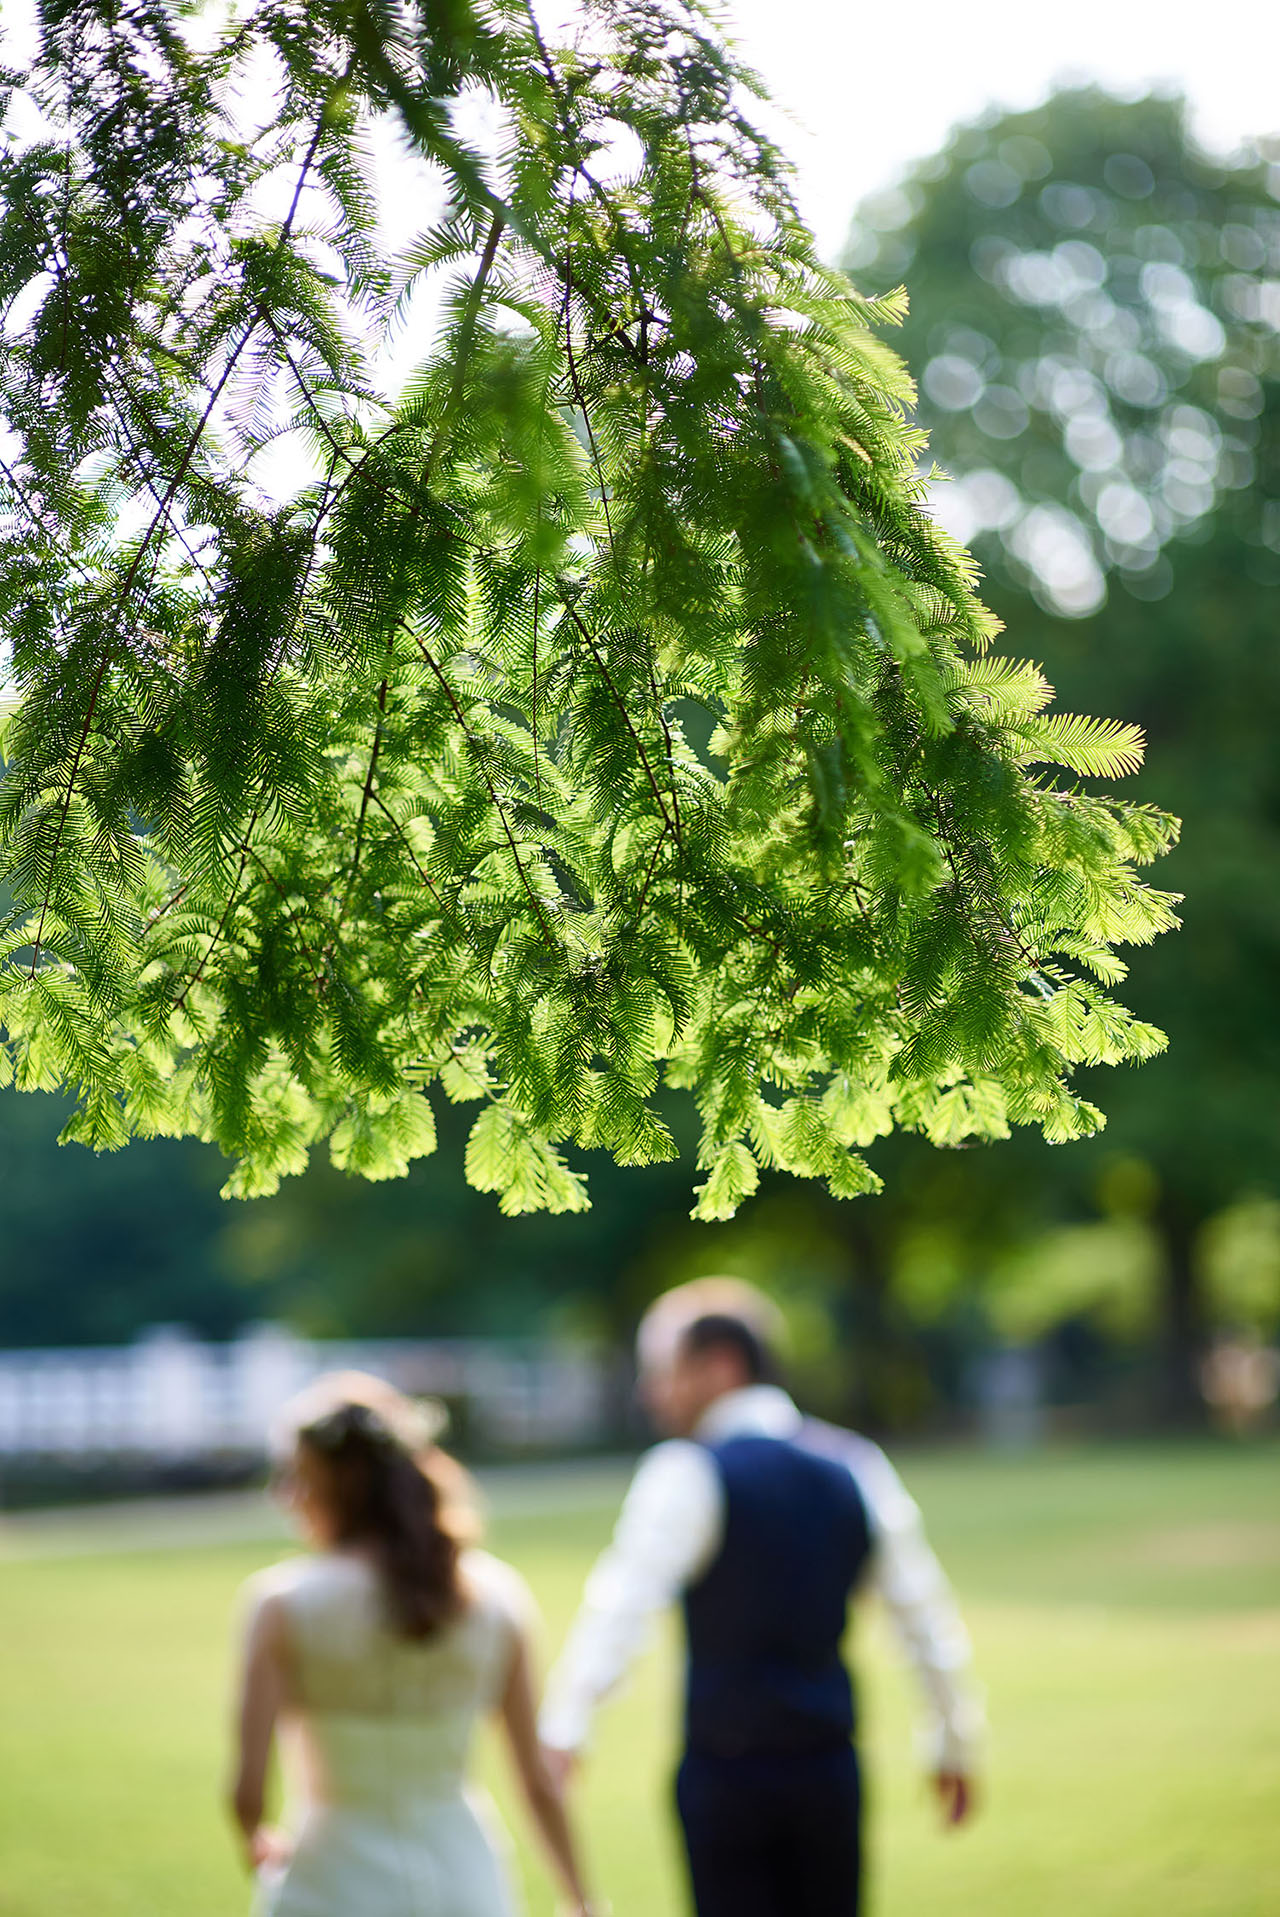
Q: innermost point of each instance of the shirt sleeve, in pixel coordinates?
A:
(669, 1529)
(915, 1590)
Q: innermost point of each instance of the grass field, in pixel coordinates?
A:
(1125, 1606)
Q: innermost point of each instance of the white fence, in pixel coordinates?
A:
(171, 1396)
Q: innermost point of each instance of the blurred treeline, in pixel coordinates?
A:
(1095, 318)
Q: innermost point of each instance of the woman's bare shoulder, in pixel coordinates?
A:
(276, 1585)
(492, 1584)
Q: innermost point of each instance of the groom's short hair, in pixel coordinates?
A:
(719, 1331)
(718, 1311)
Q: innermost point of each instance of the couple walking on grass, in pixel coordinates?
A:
(373, 1657)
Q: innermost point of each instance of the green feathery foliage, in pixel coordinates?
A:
(608, 712)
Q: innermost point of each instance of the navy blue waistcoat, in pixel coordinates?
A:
(765, 1621)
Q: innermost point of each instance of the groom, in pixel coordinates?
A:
(762, 1522)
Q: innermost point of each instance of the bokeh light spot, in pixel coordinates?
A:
(1128, 175)
(992, 183)
(952, 382)
(1067, 205)
(1000, 413)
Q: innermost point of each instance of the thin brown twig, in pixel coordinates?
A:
(759, 932)
(160, 518)
(365, 797)
(403, 836)
(37, 520)
(661, 711)
(620, 702)
(174, 899)
(148, 480)
(576, 383)
(600, 193)
(537, 770)
(650, 870)
(1003, 929)
(356, 465)
(318, 959)
(580, 400)
(219, 929)
(478, 750)
(471, 313)
(61, 266)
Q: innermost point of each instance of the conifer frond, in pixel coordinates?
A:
(1097, 748)
(999, 686)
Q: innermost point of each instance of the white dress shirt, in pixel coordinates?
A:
(670, 1528)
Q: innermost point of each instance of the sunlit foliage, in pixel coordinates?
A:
(609, 711)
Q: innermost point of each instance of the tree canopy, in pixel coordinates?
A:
(1093, 316)
(607, 711)
(1093, 322)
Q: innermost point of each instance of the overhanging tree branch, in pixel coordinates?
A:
(676, 410)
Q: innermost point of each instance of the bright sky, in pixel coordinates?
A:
(868, 86)
(873, 84)
(865, 87)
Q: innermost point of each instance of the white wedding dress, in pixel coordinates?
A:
(375, 1744)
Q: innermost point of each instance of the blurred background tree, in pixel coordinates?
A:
(1093, 323)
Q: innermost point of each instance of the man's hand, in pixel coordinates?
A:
(956, 1794)
(560, 1766)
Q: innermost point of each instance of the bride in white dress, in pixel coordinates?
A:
(372, 1659)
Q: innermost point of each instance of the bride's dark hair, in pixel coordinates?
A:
(391, 1489)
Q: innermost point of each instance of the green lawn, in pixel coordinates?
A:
(1125, 1605)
